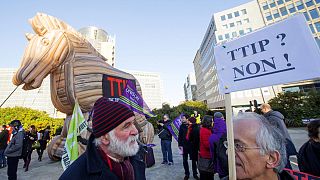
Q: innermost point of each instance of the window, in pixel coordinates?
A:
(317, 1)
(225, 26)
(291, 8)
(220, 37)
(283, 11)
(306, 15)
(265, 5)
(227, 36)
(239, 23)
(287, 0)
(317, 25)
(229, 15)
(244, 11)
(241, 32)
(312, 29)
(231, 24)
(309, 3)
(314, 13)
(299, 5)
(280, 2)
(246, 20)
(276, 13)
(249, 29)
(268, 16)
(271, 3)
(223, 18)
(236, 14)
(234, 34)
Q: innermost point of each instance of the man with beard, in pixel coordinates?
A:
(260, 151)
(112, 146)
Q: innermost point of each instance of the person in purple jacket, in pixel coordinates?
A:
(219, 129)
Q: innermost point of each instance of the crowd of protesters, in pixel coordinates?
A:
(263, 146)
(16, 143)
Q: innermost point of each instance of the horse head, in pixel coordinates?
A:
(45, 51)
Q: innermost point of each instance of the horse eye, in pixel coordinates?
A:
(45, 41)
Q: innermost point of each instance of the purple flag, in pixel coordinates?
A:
(175, 126)
(132, 99)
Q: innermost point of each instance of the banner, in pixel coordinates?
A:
(77, 126)
(113, 86)
(301, 175)
(132, 99)
(175, 126)
(283, 52)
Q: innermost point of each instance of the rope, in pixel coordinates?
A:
(9, 95)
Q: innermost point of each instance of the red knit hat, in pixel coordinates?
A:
(107, 115)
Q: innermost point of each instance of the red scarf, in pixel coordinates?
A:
(189, 132)
(123, 170)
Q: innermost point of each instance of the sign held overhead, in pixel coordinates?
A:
(280, 53)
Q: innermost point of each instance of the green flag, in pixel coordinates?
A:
(77, 125)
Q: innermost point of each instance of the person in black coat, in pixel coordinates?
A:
(43, 140)
(193, 136)
(309, 153)
(32, 137)
(112, 147)
(166, 139)
(185, 147)
(3, 145)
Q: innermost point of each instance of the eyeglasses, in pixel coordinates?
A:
(239, 147)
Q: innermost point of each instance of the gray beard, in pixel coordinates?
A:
(121, 148)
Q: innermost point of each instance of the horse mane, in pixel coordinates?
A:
(41, 23)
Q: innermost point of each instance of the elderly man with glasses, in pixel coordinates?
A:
(260, 150)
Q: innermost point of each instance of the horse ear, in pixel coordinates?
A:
(29, 36)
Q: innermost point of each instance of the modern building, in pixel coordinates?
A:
(102, 41)
(276, 10)
(224, 26)
(39, 99)
(151, 86)
(190, 87)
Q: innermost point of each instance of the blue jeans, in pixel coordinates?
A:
(166, 150)
(3, 161)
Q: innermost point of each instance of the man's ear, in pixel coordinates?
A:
(273, 160)
(105, 139)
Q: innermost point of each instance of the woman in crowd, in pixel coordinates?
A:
(193, 136)
(205, 164)
(31, 136)
(309, 153)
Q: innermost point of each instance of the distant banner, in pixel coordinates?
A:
(132, 99)
(175, 126)
(301, 175)
(77, 125)
(113, 87)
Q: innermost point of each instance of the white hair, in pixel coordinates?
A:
(268, 138)
(117, 146)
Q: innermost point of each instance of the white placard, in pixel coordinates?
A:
(280, 53)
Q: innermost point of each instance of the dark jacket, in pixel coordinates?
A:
(309, 158)
(3, 139)
(30, 141)
(182, 141)
(164, 133)
(284, 175)
(91, 166)
(194, 139)
(277, 120)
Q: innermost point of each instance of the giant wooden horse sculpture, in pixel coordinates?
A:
(76, 72)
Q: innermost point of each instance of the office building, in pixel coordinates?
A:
(190, 88)
(102, 41)
(151, 86)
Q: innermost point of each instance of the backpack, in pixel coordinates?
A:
(220, 157)
(24, 146)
